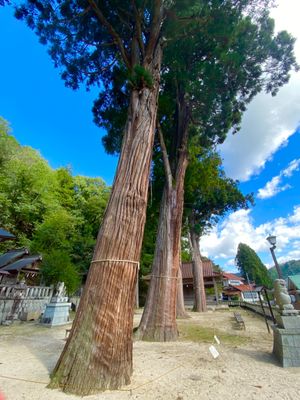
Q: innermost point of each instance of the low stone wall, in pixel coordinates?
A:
(22, 302)
(256, 307)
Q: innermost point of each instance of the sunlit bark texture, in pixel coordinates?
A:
(159, 318)
(199, 288)
(98, 353)
(180, 309)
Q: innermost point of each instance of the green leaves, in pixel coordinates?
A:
(209, 194)
(249, 263)
(27, 184)
(140, 78)
(57, 267)
(50, 211)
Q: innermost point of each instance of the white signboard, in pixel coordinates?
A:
(213, 351)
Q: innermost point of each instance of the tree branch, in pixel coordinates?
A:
(112, 32)
(165, 156)
(138, 28)
(155, 29)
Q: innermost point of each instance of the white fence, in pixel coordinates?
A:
(23, 302)
(25, 292)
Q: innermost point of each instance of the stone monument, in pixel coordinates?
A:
(57, 311)
(286, 345)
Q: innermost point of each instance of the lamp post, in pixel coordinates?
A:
(272, 240)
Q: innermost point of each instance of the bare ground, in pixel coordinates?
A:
(179, 370)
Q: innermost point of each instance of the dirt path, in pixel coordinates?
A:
(181, 370)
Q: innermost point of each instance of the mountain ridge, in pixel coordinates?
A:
(288, 268)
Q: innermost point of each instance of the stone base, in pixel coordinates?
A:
(291, 312)
(286, 346)
(288, 322)
(56, 299)
(56, 314)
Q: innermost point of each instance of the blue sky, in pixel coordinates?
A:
(43, 113)
(264, 155)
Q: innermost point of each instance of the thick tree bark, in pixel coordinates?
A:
(199, 289)
(98, 353)
(180, 309)
(159, 318)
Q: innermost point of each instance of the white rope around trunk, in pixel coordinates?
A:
(164, 276)
(112, 260)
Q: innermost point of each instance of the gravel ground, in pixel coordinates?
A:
(179, 370)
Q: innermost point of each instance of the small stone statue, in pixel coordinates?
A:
(282, 297)
(60, 290)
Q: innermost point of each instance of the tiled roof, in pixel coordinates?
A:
(12, 256)
(228, 275)
(22, 263)
(187, 269)
(5, 235)
(244, 288)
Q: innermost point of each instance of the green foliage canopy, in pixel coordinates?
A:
(209, 193)
(249, 263)
(49, 211)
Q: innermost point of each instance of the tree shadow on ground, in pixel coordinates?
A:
(46, 345)
(259, 356)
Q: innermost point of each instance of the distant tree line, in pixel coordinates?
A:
(288, 268)
(50, 211)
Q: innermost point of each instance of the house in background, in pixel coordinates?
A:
(20, 298)
(211, 278)
(17, 262)
(229, 279)
(293, 285)
(234, 287)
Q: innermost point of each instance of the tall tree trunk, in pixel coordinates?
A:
(158, 322)
(159, 318)
(180, 309)
(98, 353)
(199, 288)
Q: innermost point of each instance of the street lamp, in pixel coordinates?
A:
(272, 240)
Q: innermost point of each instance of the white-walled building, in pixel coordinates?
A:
(234, 287)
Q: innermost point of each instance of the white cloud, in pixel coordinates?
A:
(271, 189)
(295, 217)
(238, 228)
(291, 255)
(286, 16)
(231, 262)
(273, 186)
(293, 166)
(269, 121)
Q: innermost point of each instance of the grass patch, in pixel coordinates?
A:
(195, 333)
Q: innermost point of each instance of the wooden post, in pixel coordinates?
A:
(262, 307)
(216, 291)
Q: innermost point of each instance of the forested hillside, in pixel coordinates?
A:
(50, 211)
(288, 268)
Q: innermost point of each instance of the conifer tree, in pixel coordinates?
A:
(250, 264)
